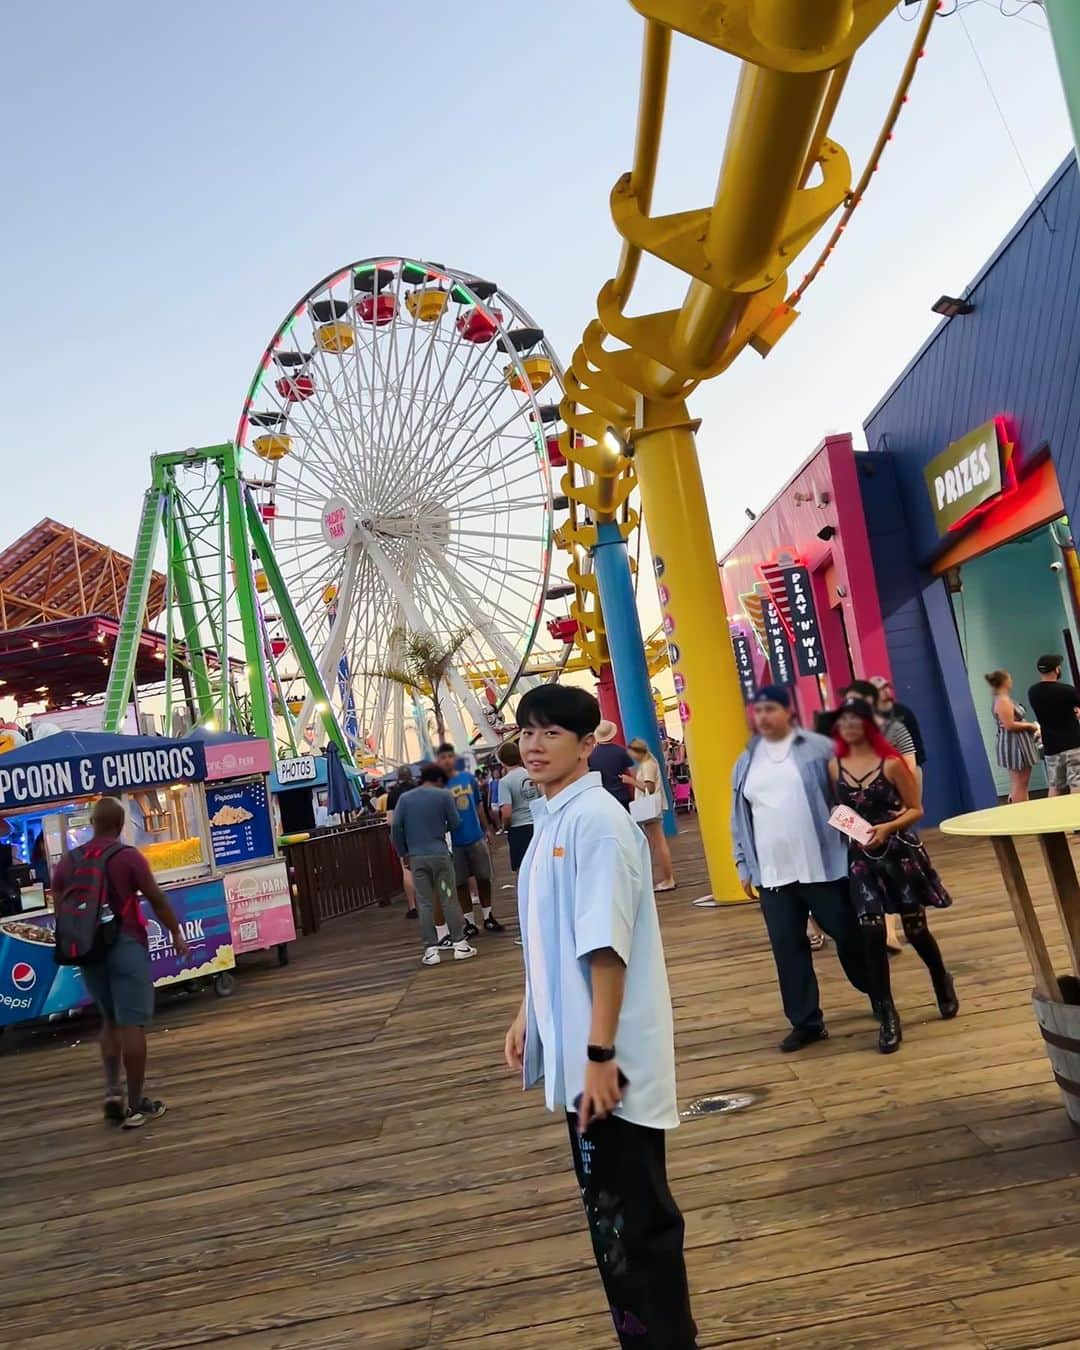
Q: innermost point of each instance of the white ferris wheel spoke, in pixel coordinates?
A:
(330, 658)
(417, 621)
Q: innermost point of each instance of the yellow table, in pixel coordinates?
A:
(1051, 819)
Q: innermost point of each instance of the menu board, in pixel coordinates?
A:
(240, 825)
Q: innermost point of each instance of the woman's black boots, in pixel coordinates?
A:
(891, 1033)
(924, 942)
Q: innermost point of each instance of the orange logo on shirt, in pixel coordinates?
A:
(558, 851)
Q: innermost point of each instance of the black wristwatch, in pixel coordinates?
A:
(601, 1054)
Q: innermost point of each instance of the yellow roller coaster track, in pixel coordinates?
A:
(601, 390)
(543, 664)
(780, 181)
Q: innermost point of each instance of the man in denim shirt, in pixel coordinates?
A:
(786, 850)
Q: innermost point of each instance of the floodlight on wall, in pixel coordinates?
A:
(826, 533)
(950, 307)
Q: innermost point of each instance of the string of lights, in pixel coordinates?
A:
(900, 98)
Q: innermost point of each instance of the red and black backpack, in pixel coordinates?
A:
(82, 939)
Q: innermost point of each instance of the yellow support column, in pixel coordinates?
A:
(695, 618)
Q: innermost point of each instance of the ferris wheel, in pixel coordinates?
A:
(399, 437)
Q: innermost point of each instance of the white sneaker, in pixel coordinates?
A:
(462, 950)
(430, 957)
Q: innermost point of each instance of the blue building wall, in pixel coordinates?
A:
(1018, 353)
(924, 650)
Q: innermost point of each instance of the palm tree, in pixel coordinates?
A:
(423, 663)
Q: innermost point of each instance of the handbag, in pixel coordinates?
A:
(643, 809)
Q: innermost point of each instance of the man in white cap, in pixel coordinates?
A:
(611, 760)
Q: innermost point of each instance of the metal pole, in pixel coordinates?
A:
(619, 607)
(122, 673)
(189, 618)
(262, 714)
(223, 585)
(294, 631)
(1063, 17)
(609, 699)
(171, 601)
(710, 700)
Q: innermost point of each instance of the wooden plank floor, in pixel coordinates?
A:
(346, 1163)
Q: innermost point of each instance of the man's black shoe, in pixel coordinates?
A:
(471, 930)
(412, 914)
(492, 925)
(800, 1037)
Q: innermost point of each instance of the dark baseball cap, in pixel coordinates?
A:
(773, 693)
(1045, 664)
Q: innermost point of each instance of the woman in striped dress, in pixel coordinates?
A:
(1016, 747)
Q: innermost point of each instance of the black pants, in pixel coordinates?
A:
(637, 1233)
(519, 837)
(786, 911)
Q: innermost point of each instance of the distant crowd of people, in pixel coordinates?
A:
(443, 819)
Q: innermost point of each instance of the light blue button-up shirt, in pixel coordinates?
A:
(586, 884)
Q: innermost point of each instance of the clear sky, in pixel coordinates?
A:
(178, 175)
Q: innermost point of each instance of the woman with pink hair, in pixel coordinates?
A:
(890, 871)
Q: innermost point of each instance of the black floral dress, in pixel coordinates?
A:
(898, 878)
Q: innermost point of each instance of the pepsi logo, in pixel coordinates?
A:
(23, 976)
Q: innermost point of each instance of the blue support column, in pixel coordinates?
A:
(627, 648)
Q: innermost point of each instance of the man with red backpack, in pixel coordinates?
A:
(100, 928)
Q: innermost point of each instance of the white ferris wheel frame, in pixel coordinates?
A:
(427, 565)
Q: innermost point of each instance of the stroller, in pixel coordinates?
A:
(682, 788)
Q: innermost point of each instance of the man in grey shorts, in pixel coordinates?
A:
(122, 985)
(1056, 706)
(422, 820)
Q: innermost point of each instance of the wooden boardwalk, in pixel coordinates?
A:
(347, 1164)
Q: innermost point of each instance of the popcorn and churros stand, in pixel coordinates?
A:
(200, 812)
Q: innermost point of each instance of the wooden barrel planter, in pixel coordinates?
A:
(1059, 1023)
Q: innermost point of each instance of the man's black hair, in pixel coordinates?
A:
(446, 749)
(560, 705)
(863, 689)
(433, 773)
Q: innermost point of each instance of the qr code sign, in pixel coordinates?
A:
(249, 931)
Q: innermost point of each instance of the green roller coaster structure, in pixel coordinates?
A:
(219, 564)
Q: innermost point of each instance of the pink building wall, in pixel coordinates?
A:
(823, 492)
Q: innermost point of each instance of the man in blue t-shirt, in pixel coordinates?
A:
(469, 840)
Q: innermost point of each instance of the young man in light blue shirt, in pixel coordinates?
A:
(595, 1023)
